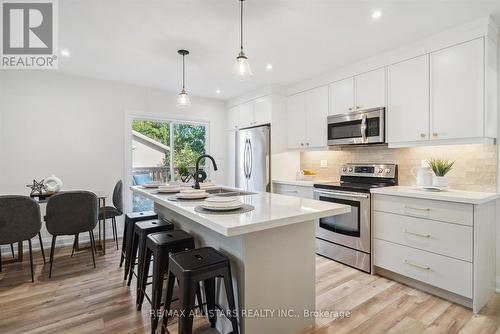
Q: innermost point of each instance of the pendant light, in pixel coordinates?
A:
(183, 101)
(242, 67)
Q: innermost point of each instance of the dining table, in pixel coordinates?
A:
(101, 197)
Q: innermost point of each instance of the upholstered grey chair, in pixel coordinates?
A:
(113, 211)
(71, 213)
(19, 221)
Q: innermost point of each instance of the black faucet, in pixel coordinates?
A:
(196, 174)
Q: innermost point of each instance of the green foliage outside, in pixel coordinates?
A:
(189, 141)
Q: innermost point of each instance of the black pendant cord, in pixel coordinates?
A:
(183, 73)
(241, 25)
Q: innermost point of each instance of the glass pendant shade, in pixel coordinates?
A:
(242, 66)
(183, 100)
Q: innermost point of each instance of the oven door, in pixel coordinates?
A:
(364, 127)
(350, 229)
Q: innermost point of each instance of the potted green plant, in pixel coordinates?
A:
(440, 167)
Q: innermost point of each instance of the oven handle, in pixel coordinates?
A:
(332, 193)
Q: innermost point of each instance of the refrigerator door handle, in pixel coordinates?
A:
(250, 151)
(245, 161)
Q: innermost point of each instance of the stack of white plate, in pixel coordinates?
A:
(169, 188)
(153, 184)
(222, 203)
(192, 194)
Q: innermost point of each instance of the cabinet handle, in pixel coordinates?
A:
(417, 265)
(435, 134)
(416, 208)
(422, 135)
(358, 107)
(301, 144)
(350, 108)
(307, 144)
(418, 234)
(291, 191)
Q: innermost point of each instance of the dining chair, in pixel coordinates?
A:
(71, 213)
(19, 221)
(111, 212)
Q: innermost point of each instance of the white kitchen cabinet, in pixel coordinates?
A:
(293, 190)
(370, 89)
(296, 120)
(262, 110)
(306, 118)
(316, 107)
(245, 114)
(233, 118)
(457, 91)
(449, 246)
(408, 100)
(342, 96)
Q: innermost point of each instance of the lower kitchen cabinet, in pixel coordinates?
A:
(443, 247)
(293, 190)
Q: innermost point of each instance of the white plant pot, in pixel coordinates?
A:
(439, 181)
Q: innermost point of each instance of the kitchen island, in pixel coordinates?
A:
(272, 253)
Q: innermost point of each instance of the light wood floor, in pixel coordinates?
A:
(80, 299)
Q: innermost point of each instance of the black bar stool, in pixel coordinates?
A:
(141, 231)
(190, 267)
(128, 232)
(159, 245)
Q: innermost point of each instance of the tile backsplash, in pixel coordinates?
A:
(475, 165)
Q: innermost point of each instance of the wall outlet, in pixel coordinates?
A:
(324, 163)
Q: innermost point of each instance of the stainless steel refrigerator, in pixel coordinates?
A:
(253, 158)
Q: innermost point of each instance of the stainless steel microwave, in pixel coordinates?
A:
(359, 127)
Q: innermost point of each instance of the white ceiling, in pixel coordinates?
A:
(137, 41)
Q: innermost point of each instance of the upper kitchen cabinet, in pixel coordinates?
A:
(307, 118)
(296, 120)
(342, 96)
(457, 91)
(251, 113)
(363, 91)
(408, 100)
(370, 89)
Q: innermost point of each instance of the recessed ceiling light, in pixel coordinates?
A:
(269, 67)
(217, 91)
(65, 53)
(376, 14)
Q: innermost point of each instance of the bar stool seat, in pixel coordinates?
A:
(160, 245)
(141, 231)
(128, 232)
(190, 267)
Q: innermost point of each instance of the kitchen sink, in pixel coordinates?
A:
(228, 192)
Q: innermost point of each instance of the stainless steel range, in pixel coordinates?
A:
(346, 238)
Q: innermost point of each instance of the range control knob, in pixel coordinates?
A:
(344, 169)
(350, 169)
(380, 170)
(387, 170)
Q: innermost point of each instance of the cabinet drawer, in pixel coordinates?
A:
(457, 213)
(291, 190)
(437, 270)
(429, 235)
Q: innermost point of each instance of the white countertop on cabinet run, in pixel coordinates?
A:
(450, 195)
(271, 210)
(303, 183)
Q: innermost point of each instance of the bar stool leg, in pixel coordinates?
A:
(133, 253)
(159, 266)
(52, 255)
(140, 265)
(124, 243)
(168, 301)
(186, 298)
(210, 296)
(31, 261)
(144, 280)
(228, 284)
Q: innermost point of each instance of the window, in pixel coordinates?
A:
(164, 151)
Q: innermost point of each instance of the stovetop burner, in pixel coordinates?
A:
(363, 177)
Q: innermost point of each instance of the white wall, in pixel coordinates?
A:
(74, 127)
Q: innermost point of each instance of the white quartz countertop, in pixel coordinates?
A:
(271, 210)
(303, 183)
(460, 196)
